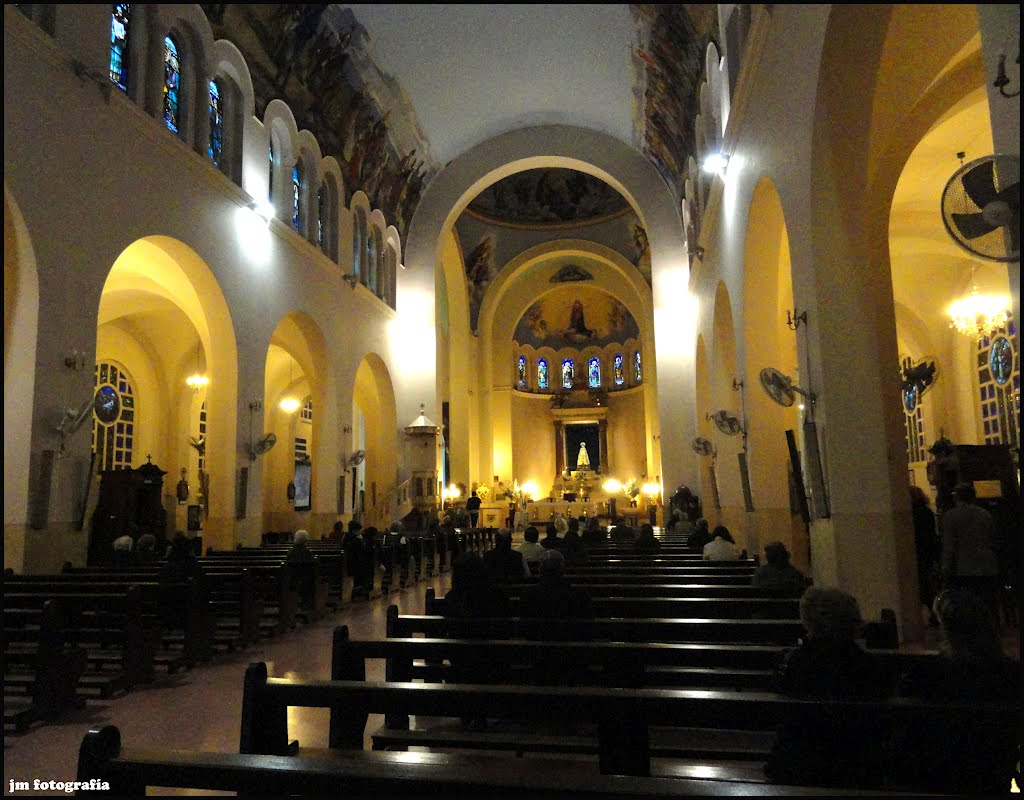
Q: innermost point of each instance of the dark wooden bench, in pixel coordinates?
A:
(650, 588)
(754, 631)
(41, 670)
(621, 720)
(105, 621)
(128, 772)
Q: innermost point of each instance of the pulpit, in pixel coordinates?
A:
(130, 503)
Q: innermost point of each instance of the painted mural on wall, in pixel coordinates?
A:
(576, 315)
(547, 197)
(315, 58)
(670, 59)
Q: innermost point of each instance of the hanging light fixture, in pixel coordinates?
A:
(288, 404)
(978, 314)
(198, 379)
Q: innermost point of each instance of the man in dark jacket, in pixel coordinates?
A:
(503, 563)
(549, 608)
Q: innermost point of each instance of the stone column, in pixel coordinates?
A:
(602, 427)
(559, 447)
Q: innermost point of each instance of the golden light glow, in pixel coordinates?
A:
(197, 381)
(978, 314)
(451, 492)
(530, 489)
(289, 405)
(651, 489)
(612, 486)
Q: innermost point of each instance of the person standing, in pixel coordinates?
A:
(473, 507)
(969, 548)
(928, 547)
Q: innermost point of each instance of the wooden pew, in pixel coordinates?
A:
(128, 772)
(607, 664)
(107, 622)
(41, 671)
(753, 631)
(621, 719)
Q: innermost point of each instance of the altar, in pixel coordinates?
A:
(544, 511)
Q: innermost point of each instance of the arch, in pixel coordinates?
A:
(282, 135)
(723, 398)
(375, 430)
(767, 295)
(21, 326)
(360, 235)
(706, 467)
(633, 176)
(162, 314)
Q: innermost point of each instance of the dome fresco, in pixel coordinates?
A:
(547, 197)
(576, 316)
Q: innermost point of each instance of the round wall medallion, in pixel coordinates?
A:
(1000, 360)
(107, 405)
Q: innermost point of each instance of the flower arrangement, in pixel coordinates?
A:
(631, 489)
(482, 492)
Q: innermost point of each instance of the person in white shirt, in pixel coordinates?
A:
(722, 547)
(531, 548)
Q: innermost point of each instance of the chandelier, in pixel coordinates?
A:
(198, 379)
(978, 314)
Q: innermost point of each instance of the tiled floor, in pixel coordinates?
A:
(200, 709)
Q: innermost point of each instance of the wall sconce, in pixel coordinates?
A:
(256, 405)
(697, 252)
(715, 163)
(793, 319)
(1001, 81)
(264, 210)
(737, 384)
(350, 279)
(346, 429)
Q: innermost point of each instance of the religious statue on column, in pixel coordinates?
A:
(583, 459)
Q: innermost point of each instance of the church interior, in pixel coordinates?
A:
(276, 267)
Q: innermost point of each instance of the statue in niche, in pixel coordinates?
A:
(583, 458)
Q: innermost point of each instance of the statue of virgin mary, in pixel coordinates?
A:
(583, 458)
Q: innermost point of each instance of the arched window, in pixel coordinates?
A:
(172, 85)
(271, 158)
(359, 245)
(113, 431)
(120, 20)
(202, 435)
(297, 196)
(216, 148)
(521, 372)
(594, 373)
(306, 415)
(568, 373)
(998, 365)
(542, 374)
(617, 374)
(370, 273)
(638, 373)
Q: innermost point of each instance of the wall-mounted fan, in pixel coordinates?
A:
(72, 420)
(356, 458)
(981, 207)
(703, 447)
(780, 387)
(263, 446)
(727, 423)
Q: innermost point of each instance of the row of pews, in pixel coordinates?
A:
(679, 703)
(94, 632)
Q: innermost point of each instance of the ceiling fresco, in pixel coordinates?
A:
(576, 316)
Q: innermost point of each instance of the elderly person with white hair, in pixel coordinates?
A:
(300, 552)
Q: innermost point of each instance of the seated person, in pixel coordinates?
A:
(593, 533)
(300, 552)
(531, 548)
(622, 532)
(701, 535)
(646, 543)
(971, 666)
(572, 544)
(548, 608)
(722, 546)
(830, 750)
(181, 563)
(502, 563)
(123, 551)
(778, 574)
(551, 540)
(145, 549)
(472, 598)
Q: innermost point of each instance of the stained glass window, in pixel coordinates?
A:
(594, 373)
(306, 415)
(119, 22)
(638, 373)
(297, 196)
(202, 435)
(521, 372)
(301, 448)
(542, 374)
(567, 373)
(113, 430)
(172, 85)
(216, 148)
(998, 367)
(617, 373)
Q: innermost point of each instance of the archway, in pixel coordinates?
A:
(374, 431)
(707, 463)
(162, 320)
(767, 296)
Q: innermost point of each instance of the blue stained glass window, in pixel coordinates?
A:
(568, 373)
(216, 148)
(521, 371)
(296, 196)
(542, 374)
(172, 85)
(638, 372)
(594, 373)
(617, 372)
(119, 22)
